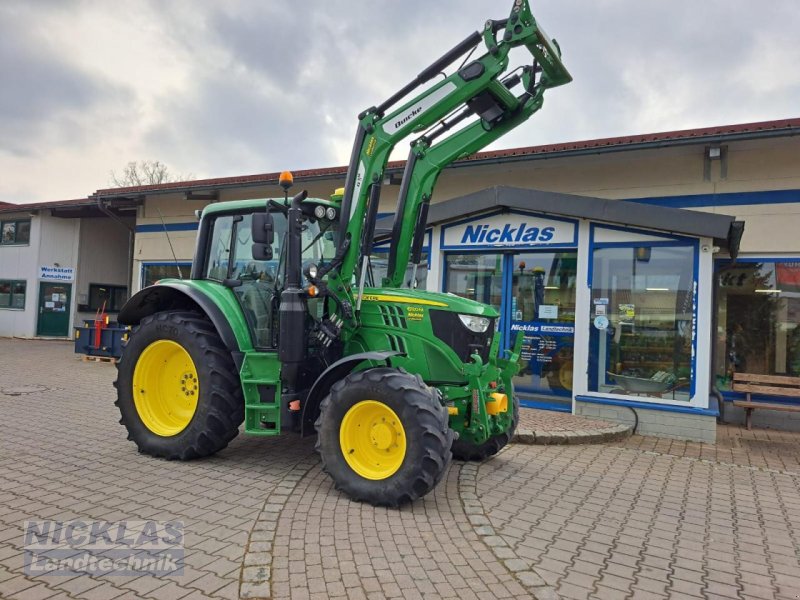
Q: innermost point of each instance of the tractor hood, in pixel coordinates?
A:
(449, 302)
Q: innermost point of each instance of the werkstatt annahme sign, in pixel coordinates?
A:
(57, 273)
(509, 230)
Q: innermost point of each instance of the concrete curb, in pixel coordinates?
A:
(578, 436)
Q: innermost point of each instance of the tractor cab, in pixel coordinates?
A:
(256, 271)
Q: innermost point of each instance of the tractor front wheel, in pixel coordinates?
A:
(177, 388)
(478, 452)
(383, 437)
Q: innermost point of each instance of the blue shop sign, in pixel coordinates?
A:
(510, 230)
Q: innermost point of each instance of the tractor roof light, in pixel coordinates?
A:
(286, 180)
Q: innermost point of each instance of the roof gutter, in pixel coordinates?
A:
(218, 186)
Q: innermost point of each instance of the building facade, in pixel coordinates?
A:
(60, 263)
(750, 172)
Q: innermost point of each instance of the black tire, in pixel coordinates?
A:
(479, 452)
(220, 405)
(425, 424)
(559, 378)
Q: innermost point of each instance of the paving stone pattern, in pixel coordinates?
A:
(604, 522)
(639, 518)
(63, 455)
(544, 427)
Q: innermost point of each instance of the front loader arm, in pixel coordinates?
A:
(426, 161)
(379, 132)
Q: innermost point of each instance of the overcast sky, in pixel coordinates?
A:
(251, 86)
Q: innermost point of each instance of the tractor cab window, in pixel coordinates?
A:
(230, 258)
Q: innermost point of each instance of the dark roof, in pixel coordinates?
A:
(779, 128)
(78, 207)
(618, 212)
(782, 127)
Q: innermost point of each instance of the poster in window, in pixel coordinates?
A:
(9, 232)
(788, 276)
(627, 312)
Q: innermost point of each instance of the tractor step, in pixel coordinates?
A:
(262, 419)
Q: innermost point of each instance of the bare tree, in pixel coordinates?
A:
(145, 172)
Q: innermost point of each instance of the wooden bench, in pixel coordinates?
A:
(769, 385)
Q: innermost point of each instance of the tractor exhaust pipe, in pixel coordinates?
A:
(292, 317)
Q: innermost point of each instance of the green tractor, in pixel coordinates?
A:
(283, 326)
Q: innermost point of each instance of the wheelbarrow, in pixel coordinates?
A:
(655, 387)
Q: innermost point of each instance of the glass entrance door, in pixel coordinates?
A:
(542, 306)
(535, 294)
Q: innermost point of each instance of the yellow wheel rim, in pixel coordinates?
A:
(165, 388)
(373, 440)
(565, 375)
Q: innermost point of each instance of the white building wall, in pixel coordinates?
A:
(58, 246)
(21, 263)
(751, 165)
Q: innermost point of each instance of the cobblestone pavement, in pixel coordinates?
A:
(761, 448)
(549, 420)
(607, 522)
(549, 427)
(639, 518)
(63, 455)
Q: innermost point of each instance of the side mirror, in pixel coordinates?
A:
(263, 233)
(263, 228)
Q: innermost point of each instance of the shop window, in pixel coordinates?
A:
(153, 272)
(643, 318)
(108, 297)
(758, 313)
(475, 276)
(15, 232)
(12, 294)
(379, 261)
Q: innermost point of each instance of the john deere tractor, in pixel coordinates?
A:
(284, 326)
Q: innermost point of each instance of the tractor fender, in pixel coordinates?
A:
(331, 375)
(174, 296)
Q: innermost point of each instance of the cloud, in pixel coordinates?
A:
(42, 93)
(248, 86)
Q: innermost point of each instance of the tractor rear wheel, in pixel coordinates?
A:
(177, 388)
(478, 452)
(383, 436)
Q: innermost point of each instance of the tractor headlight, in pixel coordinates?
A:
(331, 213)
(476, 324)
(319, 211)
(311, 271)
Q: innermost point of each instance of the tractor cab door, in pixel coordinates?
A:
(255, 283)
